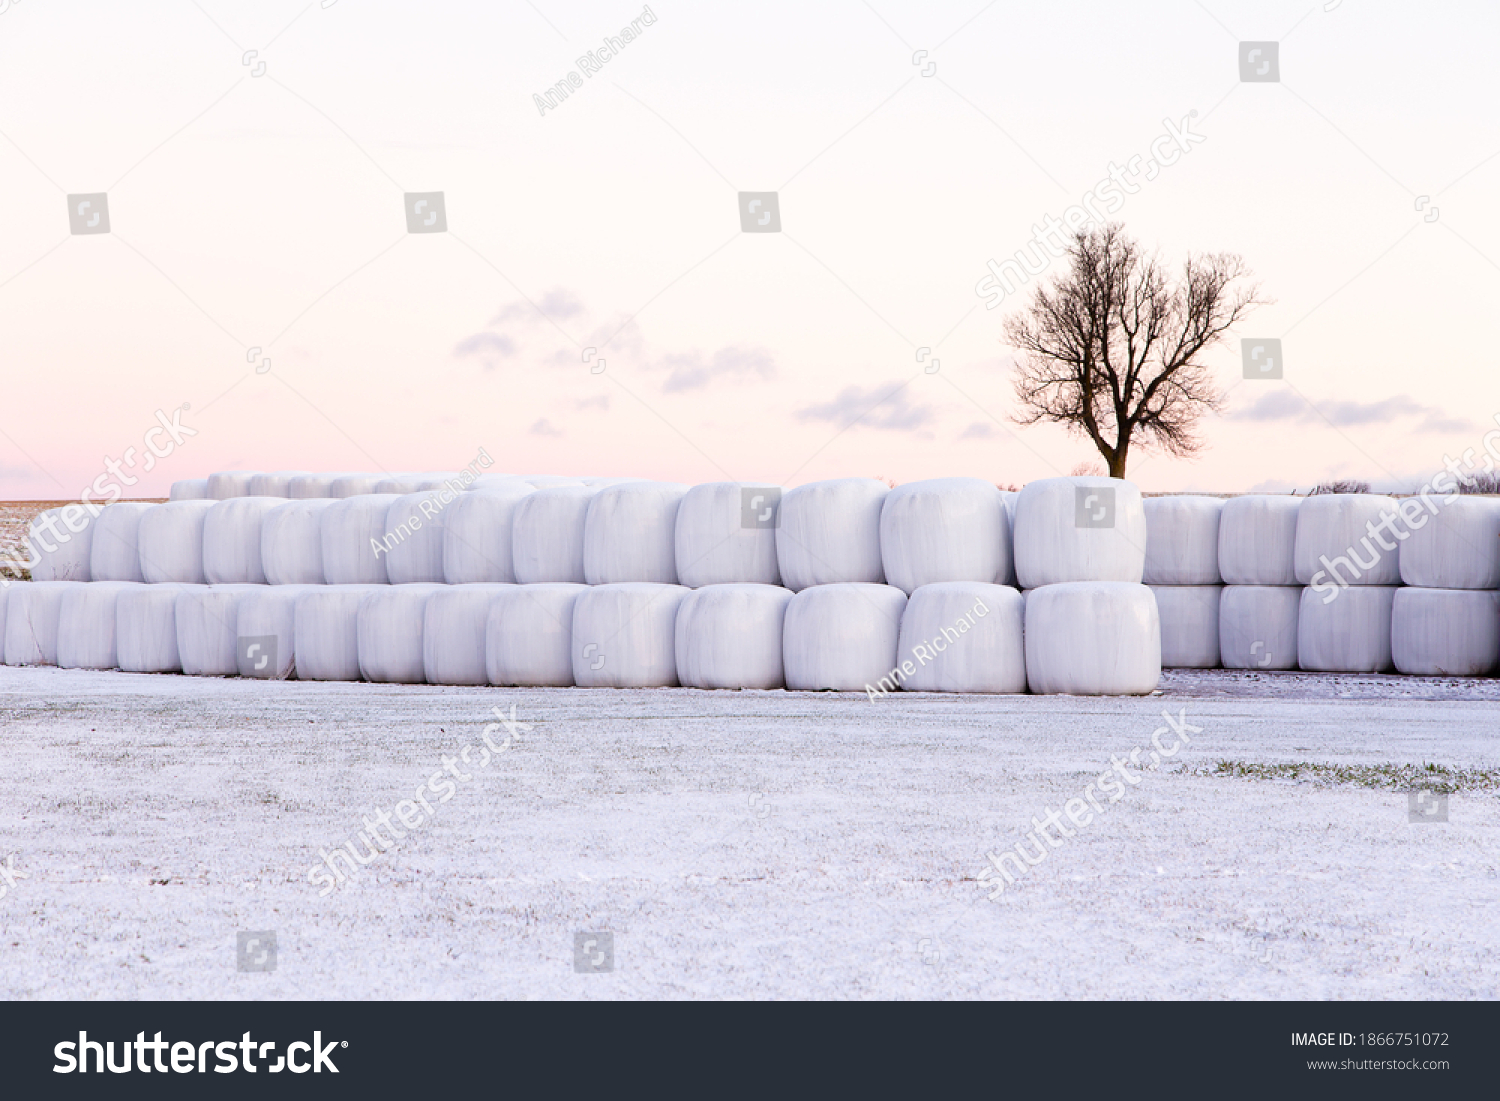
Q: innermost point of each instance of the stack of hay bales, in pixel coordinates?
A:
(1182, 570)
(1258, 609)
(1447, 622)
(1344, 616)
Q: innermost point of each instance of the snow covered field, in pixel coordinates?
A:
(743, 844)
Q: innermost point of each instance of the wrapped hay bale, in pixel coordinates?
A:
(729, 636)
(325, 631)
(841, 637)
(624, 635)
(311, 487)
(829, 533)
(266, 632)
(547, 535)
(414, 537)
(489, 478)
(69, 532)
(630, 533)
(32, 611)
(453, 633)
(1258, 626)
(1336, 546)
(962, 636)
(478, 535)
(1079, 529)
(170, 542)
(944, 529)
(355, 485)
(529, 635)
(230, 483)
(354, 534)
(1092, 638)
(1008, 496)
(278, 484)
(146, 628)
(389, 625)
(1182, 541)
(1258, 540)
(291, 542)
(231, 540)
(114, 553)
(1446, 632)
(207, 628)
(1458, 547)
(1189, 616)
(548, 481)
(726, 534)
(86, 625)
(601, 482)
(1348, 634)
(190, 489)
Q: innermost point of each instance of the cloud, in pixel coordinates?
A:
(979, 430)
(559, 303)
(692, 372)
(600, 402)
(543, 427)
(1287, 406)
(487, 345)
(889, 407)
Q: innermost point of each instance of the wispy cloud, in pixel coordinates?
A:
(890, 407)
(1287, 406)
(979, 430)
(694, 371)
(543, 427)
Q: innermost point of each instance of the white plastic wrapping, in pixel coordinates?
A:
(170, 542)
(944, 529)
(1092, 638)
(1446, 632)
(69, 531)
(390, 633)
(230, 483)
(453, 633)
(231, 540)
(291, 542)
(414, 540)
(4, 602)
(495, 478)
(1079, 529)
(529, 636)
(354, 485)
(325, 631)
(1456, 547)
(207, 622)
(1336, 547)
(1258, 626)
(146, 628)
(1349, 634)
(31, 617)
(1189, 616)
(311, 487)
(547, 481)
(729, 636)
(842, 636)
(114, 553)
(354, 536)
(829, 533)
(625, 636)
(547, 535)
(726, 534)
(278, 484)
(962, 636)
(1182, 540)
(1008, 496)
(601, 482)
(478, 531)
(631, 533)
(189, 489)
(86, 625)
(266, 632)
(1258, 540)
(406, 484)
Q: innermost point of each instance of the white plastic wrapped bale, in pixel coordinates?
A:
(478, 535)
(529, 636)
(502, 481)
(1079, 529)
(351, 529)
(625, 635)
(453, 633)
(729, 636)
(207, 628)
(961, 636)
(400, 484)
(841, 637)
(1446, 632)
(278, 484)
(726, 534)
(231, 540)
(291, 542)
(1092, 638)
(32, 611)
(230, 483)
(1258, 626)
(1182, 541)
(1009, 497)
(944, 529)
(170, 542)
(390, 633)
(828, 533)
(354, 485)
(1453, 545)
(86, 625)
(69, 531)
(1335, 546)
(630, 533)
(547, 535)
(114, 553)
(1258, 540)
(189, 489)
(414, 541)
(449, 479)
(547, 481)
(325, 631)
(146, 628)
(600, 483)
(266, 632)
(311, 487)
(1348, 634)
(1189, 617)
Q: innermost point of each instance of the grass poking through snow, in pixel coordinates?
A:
(1394, 777)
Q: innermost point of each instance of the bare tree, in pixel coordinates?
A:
(1111, 349)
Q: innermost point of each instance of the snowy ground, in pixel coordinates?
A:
(742, 844)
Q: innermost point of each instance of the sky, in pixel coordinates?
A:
(590, 303)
